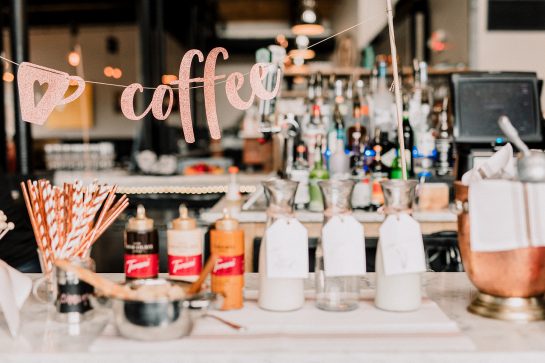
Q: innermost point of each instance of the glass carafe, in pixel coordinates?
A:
(278, 294)
(339, 293)
(397, 292)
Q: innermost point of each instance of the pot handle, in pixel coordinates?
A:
(459, 207)
(204, 301)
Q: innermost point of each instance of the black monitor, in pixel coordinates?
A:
(480, 98)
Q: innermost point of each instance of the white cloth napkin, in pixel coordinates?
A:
(501, 165)
(505, 215)
(14, 290)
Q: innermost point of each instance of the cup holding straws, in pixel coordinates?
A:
(67, 221)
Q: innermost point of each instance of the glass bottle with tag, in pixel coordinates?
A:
(336, 291)
(278, 293)
(397, 292)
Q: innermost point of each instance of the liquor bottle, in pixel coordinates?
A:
(319, 90)
(358, 129)
(382, 101)
(339, 163)
(315, 128)
(339, 95)
(388, 150)
(424, 152)
(369, 152)
(443, 141)
(300, 173)
(318, 172)
(408, 138)
(361, 195)
(420, 97)
(349, 94)
(336, 129)
(355, 138)
(427, 94)
(379, 172)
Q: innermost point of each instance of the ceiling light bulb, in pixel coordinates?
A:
(8, 77)
(74, 58)
(302, 41)
(117, 73)
(309, 16)
(108, 71)
(168, 78)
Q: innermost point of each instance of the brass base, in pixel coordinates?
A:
(508, 308)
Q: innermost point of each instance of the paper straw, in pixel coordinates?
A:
(397, 91)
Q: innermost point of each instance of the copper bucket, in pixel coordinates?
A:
(506, 280)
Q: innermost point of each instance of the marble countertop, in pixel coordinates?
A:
(493, 341)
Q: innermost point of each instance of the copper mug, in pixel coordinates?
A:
(57, 82)
(514, 273)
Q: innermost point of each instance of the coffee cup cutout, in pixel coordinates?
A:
(54, 85)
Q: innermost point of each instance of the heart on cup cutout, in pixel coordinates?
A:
(40, 88)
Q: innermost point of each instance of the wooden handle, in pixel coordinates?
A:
(208, 267)
(108, 288)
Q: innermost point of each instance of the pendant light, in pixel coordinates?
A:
(307, 21)
(74, 56)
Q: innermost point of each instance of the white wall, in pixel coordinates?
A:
(49, 47)
(505, 50)
(351, 12)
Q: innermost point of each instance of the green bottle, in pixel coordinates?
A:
(318, 172)
(395, 171)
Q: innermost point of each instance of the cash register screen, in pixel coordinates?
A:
(480, 101)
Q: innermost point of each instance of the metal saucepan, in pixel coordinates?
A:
(159, 319)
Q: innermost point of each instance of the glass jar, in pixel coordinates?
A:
(397, 292)
(278, 294)
(340, 293)
(73, 301)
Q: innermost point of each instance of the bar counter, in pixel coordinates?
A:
(482, 340)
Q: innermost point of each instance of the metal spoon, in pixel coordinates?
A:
(230, 324)
(512, 134)
(531, 167)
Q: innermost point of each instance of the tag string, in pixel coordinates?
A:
(222, 81)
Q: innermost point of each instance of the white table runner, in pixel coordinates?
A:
(427, 329)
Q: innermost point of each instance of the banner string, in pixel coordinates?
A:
(225, 80)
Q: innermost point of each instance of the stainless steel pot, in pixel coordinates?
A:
(160, 319)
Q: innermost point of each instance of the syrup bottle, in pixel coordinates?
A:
(184, 246)
(141, 247)
(227, 243)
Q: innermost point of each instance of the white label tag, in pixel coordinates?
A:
(287, 249)
(401, 245)
(343, 243)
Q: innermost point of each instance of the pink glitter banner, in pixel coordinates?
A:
(54, 85)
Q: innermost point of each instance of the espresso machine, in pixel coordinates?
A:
(479, 99)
